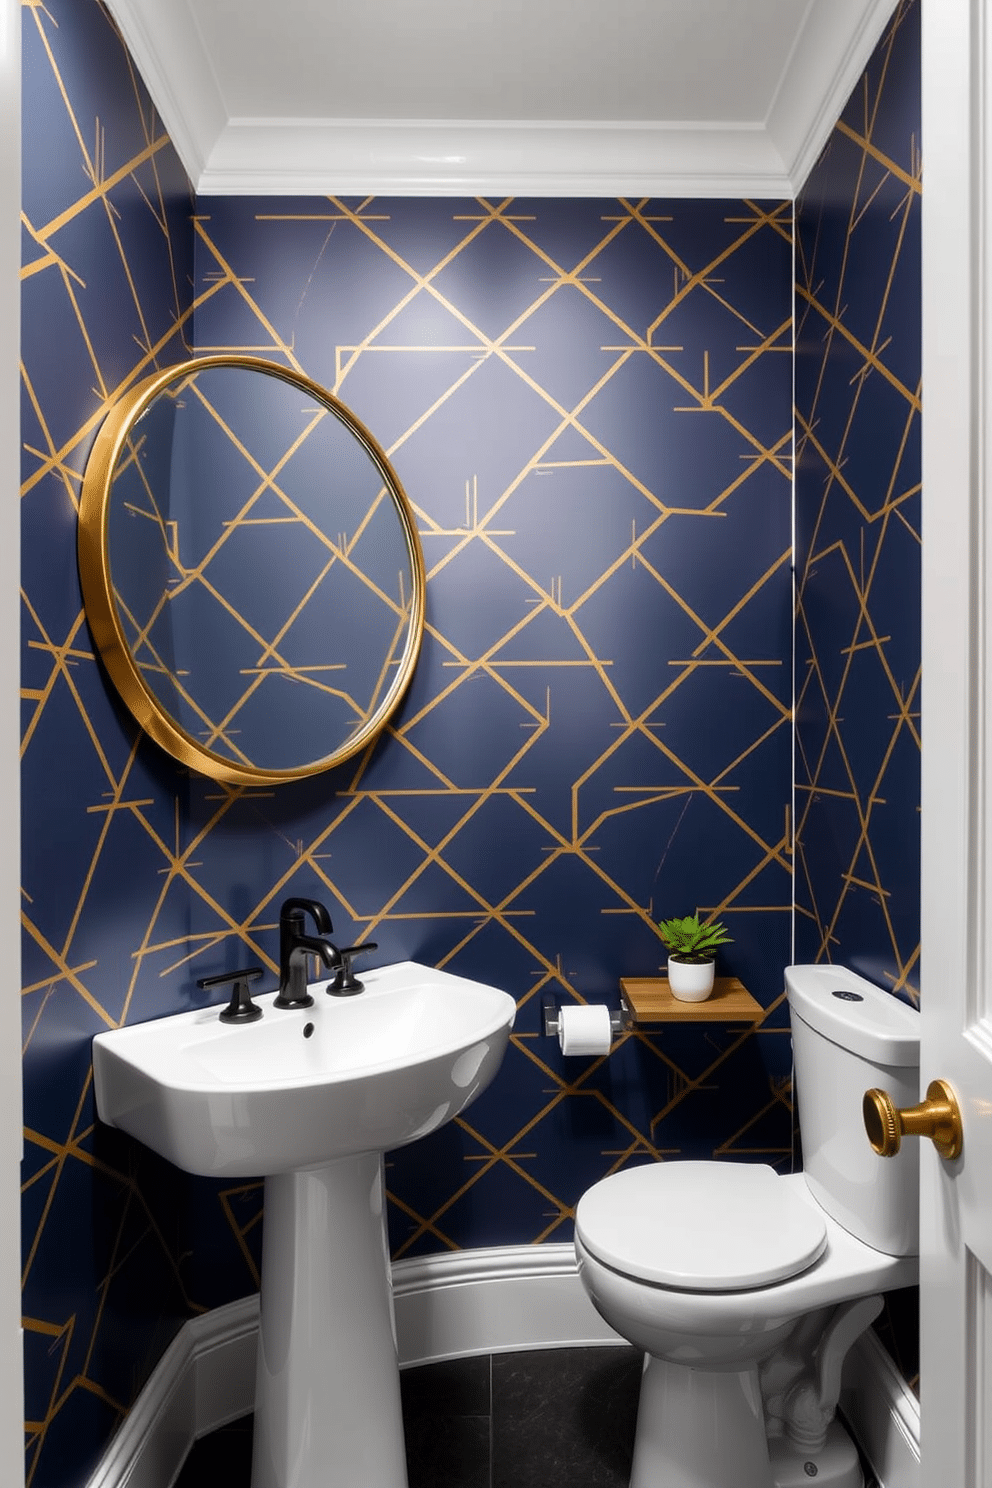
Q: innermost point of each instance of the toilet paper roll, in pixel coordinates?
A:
(585, 1030)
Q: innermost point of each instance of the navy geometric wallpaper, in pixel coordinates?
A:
(858, 358)
(858, 528)
(589, 405)
(106, 297)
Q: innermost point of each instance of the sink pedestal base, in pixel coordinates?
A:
(327, 1406)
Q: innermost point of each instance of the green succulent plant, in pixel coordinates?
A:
(689, 940)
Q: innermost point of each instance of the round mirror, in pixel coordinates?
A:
(250, 568)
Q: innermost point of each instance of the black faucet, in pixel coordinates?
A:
(295, 946)
(346, 984)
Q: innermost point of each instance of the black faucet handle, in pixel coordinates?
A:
(240, 1009)
(321, 917)
(346, 984)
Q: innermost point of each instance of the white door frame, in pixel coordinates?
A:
(11, 1372)
(956, 1198)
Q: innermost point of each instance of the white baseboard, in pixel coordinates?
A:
(504, 1300)
(883, 1413)
(497, 1301)
(205, 1378)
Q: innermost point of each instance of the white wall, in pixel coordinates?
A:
(11, 1374)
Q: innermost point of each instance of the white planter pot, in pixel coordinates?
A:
(691, 981)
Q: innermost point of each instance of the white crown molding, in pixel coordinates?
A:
(501, 1300)
(831, 52)
(168, 50)
(342, 157)
(315, 157)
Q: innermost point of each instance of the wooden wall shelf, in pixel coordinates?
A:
(648, 1000)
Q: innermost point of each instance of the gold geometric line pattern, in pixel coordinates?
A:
(488, 662)
(508, 841)
(852, 526)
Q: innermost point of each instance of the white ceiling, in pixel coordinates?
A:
(540, 97)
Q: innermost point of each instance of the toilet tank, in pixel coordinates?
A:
(848, 1036)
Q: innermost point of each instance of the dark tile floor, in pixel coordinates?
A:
(557, 1418)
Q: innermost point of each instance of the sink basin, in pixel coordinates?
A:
(302, 1087)
(311, 1098)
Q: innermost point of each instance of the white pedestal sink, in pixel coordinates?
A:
(311, 1098)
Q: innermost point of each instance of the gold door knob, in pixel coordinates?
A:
(938, 1117)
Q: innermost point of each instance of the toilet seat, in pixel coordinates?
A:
(701, 1226)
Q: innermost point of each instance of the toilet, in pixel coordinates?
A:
(745, 1288)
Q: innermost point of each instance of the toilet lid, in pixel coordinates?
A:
(701, 1226)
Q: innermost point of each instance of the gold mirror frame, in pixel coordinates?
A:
(102, 610)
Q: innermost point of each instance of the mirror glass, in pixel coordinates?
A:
(251, 569)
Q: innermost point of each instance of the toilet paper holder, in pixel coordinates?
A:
(550, 1008)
